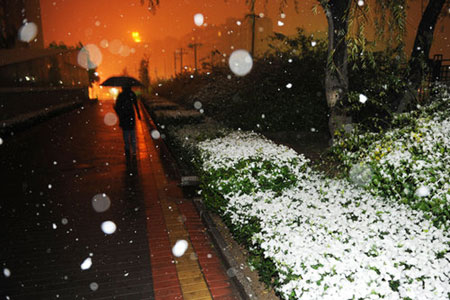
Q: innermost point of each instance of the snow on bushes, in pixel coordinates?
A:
(317, 238)
(326, 239)
(411, 162)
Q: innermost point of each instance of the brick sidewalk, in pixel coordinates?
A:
(49, 228)
(198, 274)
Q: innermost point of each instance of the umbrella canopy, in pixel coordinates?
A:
(121, 81)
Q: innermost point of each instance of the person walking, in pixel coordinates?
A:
(125, 104)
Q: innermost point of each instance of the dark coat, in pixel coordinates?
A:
(124, 109)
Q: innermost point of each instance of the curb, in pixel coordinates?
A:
(240, 282)
(8, 127)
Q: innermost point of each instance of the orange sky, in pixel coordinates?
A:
(92, 21)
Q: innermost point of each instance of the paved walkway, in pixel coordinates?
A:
(57, 178)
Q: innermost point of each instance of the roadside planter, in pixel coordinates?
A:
(323, 238)
(312, 237)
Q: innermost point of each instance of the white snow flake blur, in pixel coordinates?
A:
(155, 134)
(361, 174)
(86, 264)
(360, 2)
(93, 286)
(199, 19)
(231, 272)
(109, 227)
(289, 85)
(6, 272)
(101, 202)
(28, 32)
(1, 141)
(362, 98)
(197, 105)
(115, 46)
(90, 57)
(280, 23)
(110, 119)
(240, 62)
(104, 44)
(179, 248)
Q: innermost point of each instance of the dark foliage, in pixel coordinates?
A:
(284, 90)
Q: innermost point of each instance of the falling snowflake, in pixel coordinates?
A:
(86, 264)
(28, 32)
(362, 98)
(155, 134)
(199, 19)
(180, 248)
(109, 227)
(240, 62)
(101, 202)
(6, 272)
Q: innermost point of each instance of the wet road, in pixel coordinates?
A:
(50, 174)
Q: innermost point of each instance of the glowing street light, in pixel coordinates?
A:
(136, 36)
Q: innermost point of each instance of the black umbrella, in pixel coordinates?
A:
(121, 81)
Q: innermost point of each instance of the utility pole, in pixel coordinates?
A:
(175, 63)
(181, 52)
(253, 17)
(194, 46)
(213, 53)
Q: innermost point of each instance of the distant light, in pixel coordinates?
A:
(313, 43)
(199, 19)
(280, 23)
(136, 36)
(289, 85)
(114, 92)
(360, 2)
(238, 23)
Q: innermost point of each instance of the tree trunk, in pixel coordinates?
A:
(418, 63)
(336, 73)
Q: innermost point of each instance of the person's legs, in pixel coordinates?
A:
(126, 139)
(133, 141)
